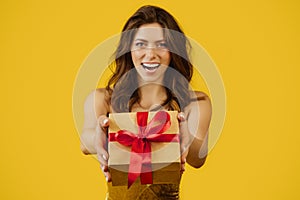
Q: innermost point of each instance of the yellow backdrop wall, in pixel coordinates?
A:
(255, 45)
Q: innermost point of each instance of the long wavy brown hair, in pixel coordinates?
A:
(123, 86)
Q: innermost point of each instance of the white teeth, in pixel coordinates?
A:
(150, 65)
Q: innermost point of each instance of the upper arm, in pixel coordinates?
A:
(199, 116)
(95, 105)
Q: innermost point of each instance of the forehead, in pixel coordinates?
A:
(149, 32)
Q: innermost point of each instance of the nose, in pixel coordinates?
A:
(150, 52)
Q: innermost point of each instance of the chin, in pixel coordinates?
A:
(147, 79)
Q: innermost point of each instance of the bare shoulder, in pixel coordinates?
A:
(101, 94)
(200, 97)
(200, 101)
(199, 113)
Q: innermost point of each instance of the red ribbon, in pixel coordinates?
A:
(140, 156)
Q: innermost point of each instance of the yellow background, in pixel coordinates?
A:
(255, 45)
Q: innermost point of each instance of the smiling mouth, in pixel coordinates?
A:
(150, 67)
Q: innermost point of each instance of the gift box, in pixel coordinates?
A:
(145, 147)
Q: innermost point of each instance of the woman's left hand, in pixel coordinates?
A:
(185, 139)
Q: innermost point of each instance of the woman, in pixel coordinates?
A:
(152, 73)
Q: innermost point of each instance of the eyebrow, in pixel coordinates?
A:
(143, 40)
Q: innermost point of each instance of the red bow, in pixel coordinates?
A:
(140, 156)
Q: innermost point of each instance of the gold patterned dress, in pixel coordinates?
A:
(143, 192)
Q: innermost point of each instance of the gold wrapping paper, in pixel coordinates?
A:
(165, 155)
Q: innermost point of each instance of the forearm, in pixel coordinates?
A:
(87, 139)
(197, 152)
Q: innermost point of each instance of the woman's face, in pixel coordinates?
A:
(150, 54)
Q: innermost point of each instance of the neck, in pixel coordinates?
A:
(151, 95)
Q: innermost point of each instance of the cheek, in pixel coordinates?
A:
(167, 58)
(135, 57)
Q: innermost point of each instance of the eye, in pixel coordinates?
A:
(140, 44)
(162, 45)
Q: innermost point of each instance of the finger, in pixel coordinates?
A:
(102, 156)
(182, 168)
(100, 145)
(181, 117)
(183, 161)
(183, 148)
(103, 121)
(104, 168)
(107, 176)
(106, 173)
(183, 156)
(101, 141)
(184, 138)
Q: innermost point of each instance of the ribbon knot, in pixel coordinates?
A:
(140, 156)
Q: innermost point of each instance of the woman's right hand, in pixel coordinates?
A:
(101, 145)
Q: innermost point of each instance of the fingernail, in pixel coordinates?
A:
(105, 121)
(182, 117)
(104, 157)
(182, 169)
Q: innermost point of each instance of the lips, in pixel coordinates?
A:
(151, 67)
